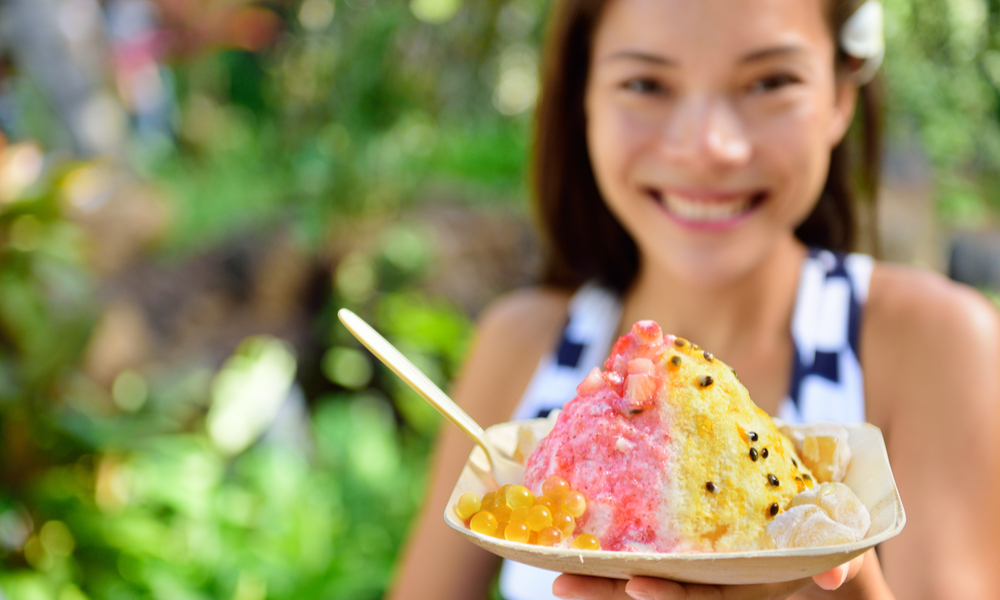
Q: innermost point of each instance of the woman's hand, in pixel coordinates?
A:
(649, 588)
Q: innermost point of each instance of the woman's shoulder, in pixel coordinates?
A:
(513, 333)
(922, 305)
(526, 314)
(925, 335)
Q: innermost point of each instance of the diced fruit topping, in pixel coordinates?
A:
(593, 382)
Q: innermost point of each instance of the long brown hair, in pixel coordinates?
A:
(584, 240)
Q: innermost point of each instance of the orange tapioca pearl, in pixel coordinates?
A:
(502, 492)
(585, 541)
(518, 496)
(502, 512)
(468, 504)
(550, 536)
(555, 487)
(519, 514)
(539, 517)
(565, 522)
(574, 503)
(546, 502)
(517, 531)
(484, 522)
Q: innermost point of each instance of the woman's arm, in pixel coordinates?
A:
(512, 335)
(931, 356)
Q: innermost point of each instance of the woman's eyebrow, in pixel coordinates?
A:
(666, 61)
(772, 52)
(637, 55)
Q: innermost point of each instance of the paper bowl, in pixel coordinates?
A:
(868, 475)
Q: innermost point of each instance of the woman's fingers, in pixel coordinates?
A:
(580, 587)
(837, 576)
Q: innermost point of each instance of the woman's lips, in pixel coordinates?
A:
(707, 208)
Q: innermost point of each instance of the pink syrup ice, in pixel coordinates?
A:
(612, 442)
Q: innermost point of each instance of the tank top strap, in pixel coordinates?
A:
(592, 318)
(827, 382)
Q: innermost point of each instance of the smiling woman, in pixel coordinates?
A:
(693, 166)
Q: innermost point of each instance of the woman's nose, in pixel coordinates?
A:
(706, 132)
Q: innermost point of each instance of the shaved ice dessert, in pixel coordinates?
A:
(673, 456)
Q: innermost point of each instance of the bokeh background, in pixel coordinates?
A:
(189, 189)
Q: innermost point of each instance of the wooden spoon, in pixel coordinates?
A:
(504, 469)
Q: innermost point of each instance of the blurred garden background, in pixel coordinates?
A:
(189, 189)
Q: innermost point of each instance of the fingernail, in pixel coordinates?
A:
(638, 595)
(831, 584)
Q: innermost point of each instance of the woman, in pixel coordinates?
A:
(691, 167)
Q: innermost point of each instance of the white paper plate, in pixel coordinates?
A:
(868, 475)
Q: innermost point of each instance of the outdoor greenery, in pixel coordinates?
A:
(203, 482)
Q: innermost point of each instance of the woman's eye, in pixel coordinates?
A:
(773, 82)
(643, 86)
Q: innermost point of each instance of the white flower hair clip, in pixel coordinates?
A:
(862, 37)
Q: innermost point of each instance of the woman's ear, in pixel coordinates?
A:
(843, 108)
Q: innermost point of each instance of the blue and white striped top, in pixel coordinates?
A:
(826, 384)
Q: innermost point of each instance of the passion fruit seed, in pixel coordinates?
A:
(675, 360)
(468, 504)
(772, 480)
(680, 342)
(753, 435)
(711, 487)
(753, 454)
(774, 509)
(705, 380)
(763, 452)
(708, 356)
(585, 541)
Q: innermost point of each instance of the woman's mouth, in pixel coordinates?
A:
(707, 209)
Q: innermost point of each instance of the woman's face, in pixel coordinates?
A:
(710, 125)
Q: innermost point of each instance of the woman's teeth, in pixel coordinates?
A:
(694, 210)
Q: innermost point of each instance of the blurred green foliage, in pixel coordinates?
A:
(360, 109)
(943, 73)
(358, 116)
